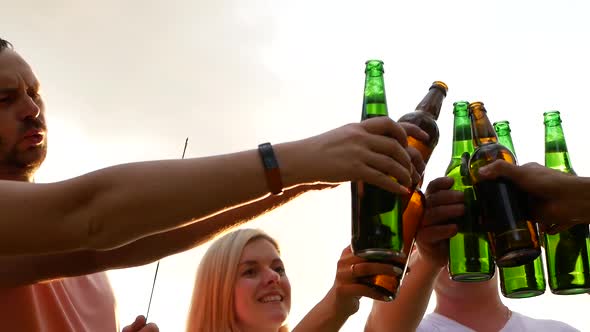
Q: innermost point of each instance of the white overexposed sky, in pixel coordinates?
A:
(129, 80)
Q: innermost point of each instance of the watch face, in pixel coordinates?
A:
(271, 168)
(268, 156)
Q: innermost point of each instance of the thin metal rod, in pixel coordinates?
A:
(158, 264)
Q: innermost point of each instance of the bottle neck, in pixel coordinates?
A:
(462, 139)
(556, 153)
(432, 102)
(481, 128)
(506, 140)
(374, 100)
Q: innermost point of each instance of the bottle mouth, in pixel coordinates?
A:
(551, 117)
(502, 126)
(460, 106)
(442, 86)
(476, 110)
(374, 65)
(476, 105)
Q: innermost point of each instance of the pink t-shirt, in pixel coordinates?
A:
(85, 303)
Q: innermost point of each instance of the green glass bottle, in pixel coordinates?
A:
(568, 261)
(377, 228)
(527, 280)
(513, 238)
(470, 257)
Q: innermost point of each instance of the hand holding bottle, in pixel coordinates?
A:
(442, 204)
(373, 150)
(342, 300)
(558, 200)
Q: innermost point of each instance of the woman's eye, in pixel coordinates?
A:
(280, 270)
(249, 273)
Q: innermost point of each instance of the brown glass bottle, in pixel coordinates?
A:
(513, 238)
(425, 117)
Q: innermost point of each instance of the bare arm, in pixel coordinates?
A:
(152, 248)
(117, 205)
(407, 310)
(114, 206)
(323, 318)
(342, 300)
(23, 270)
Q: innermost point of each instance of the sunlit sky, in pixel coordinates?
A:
(129, 80)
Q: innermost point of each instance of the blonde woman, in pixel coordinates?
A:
(242, 286)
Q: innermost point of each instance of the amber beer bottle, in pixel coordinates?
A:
(470, 257)
(377, 228)
(425, 117)
(568, 261)
(514, 239)
(527, 280)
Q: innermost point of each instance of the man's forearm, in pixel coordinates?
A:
(154, 247)
(117, 205)
(406, 311)
(24, 270)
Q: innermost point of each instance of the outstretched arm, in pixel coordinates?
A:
(112, 207)
(23, 270)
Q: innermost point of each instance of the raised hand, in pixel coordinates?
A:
(139, 325)
(557, 200)
(442, 204)
(374, 150)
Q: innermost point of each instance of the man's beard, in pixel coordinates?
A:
(23, 162)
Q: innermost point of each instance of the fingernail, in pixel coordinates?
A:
(388, 298)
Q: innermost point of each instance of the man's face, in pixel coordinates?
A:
(23, 141)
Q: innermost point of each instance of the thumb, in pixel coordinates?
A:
(137, 324)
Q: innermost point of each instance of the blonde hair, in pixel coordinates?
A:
(212, 303)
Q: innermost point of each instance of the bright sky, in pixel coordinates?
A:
(129, 80)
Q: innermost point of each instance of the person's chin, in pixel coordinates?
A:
(277, 315)
(33, 157)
